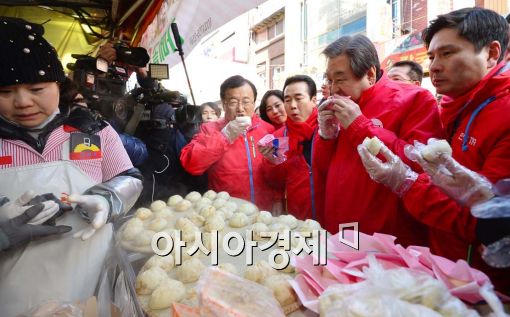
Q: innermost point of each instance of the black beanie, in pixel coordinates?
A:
(26, 57)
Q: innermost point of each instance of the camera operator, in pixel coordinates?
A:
(168, 124)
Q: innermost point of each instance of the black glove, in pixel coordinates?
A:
(16, 232)
(490, 230)
(45, 197)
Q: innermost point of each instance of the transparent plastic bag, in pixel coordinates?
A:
(222, 294)
(55, 308)
(497, 254)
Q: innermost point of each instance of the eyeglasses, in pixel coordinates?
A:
(235, 103)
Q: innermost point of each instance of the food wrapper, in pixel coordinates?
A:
(222, 294)
(280, 147)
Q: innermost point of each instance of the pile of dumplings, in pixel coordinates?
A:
(161, 282)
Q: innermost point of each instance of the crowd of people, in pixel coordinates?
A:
(298, 156)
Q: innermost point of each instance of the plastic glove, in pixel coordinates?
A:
(96, 207)
(393, 173)
(19, 231)
(460, 183)
(234, 129)
(329, 126)
(13, 209)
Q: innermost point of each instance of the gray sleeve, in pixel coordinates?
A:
(121, 193)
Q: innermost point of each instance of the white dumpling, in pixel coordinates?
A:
(131, 232)
(288, 220)
(282, 290)
(259, 271)
(308, 226)
(435, 148)
(207, 211)
(239, 220)
(227, 214)
(214, 223)
(167, 262)
(190, 233)
(193, 196)
(184, 223)
(148, 280)
(157, 224)
(230, 205)
(257, 228)
(247, 209)
(228, 267)
(219, 202)
(210, 194)
(174, 200)
(144, 238)
(164, 213)
(168, 292)
(223, 195)
(143, 213)
(373, 145)
(198, 220)
(278, 227)
(190, 270)
(158, 205)
(264, 217)
(183, 205)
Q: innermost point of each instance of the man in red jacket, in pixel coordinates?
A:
(295, 174)
(367, 104)
(467, 67)
(226, 149)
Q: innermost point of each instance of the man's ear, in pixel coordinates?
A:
(494, 54)
(372, 75)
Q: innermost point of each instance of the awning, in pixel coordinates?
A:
(194, 18)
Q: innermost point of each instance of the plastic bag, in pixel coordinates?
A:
(222, 294)
(395, 292)
(497, 254)
(55, 308)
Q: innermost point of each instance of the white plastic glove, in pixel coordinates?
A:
(235, 128)
(329, 126)
(460, 183)
(393, 173)
(13, 209)
(96, 207)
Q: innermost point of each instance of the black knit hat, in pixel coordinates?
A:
(26, 57)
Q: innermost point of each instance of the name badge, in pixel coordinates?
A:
(85, 146)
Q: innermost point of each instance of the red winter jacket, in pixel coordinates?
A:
(235, 168)
(397, 114)
(486, 151)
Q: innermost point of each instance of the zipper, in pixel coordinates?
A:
(250, 168)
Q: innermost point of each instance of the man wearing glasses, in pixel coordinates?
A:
(407, 72)
(227, 149)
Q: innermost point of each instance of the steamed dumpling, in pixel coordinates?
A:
(247, 209)
(164, 262)
(264, 217)
(190, 270)
(282, 290)
(143, 213)
(183, 205)
(148, 280)
(158, 205)
(239, 220)
(193, 196)
(157, 224)
(210, 194)
(219, 202)
(288, 220)
(168, 292)
(144, 239)
(257, 229)
(214, 223)
(223, 195)
(174, 200)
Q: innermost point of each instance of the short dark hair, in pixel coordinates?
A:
(415, 72)
(263, 103)
(508, 18)
(213, 106)
(312, 88)
(361, 52)
(235, 82)
(477, 25)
